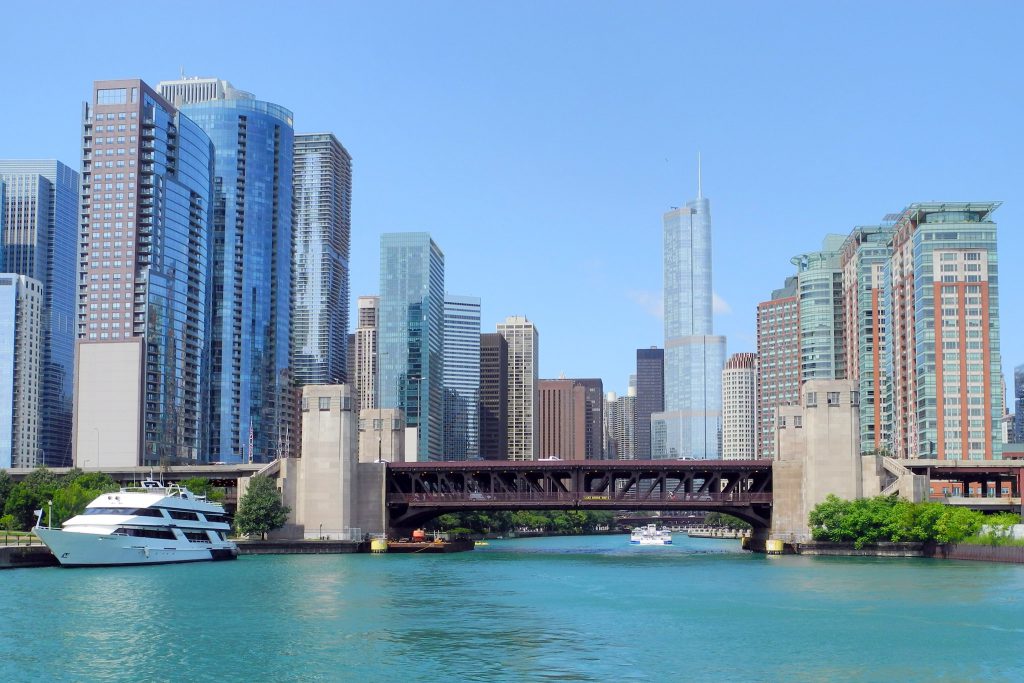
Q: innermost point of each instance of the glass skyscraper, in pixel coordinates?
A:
(323, 206)
(820, 292)
(461, 377)
(142, 366)
(411, 336)
(1018, 402)
(650, 395)
(251, 409)
(690, 425)
(39, 224)
(21, 305)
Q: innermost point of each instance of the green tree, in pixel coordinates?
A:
(999, 527)
(260, 510)
(956, 523)
(30, 494)
(6, 484)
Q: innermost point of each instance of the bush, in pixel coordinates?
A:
(887, 518)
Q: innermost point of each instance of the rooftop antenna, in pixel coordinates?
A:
(700, 193)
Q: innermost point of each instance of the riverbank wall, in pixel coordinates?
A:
(15, 557)
(962, 551)
(301, 547)
(979, 553)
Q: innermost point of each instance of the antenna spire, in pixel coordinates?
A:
(700, 193)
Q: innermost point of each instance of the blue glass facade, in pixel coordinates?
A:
(689, 426)
(323, 206)
(411, 335)
(251, 405)
(39, 223)
(461, 377)
(1018, 402)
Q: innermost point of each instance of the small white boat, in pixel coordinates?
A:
(151, 524)
(651, 534)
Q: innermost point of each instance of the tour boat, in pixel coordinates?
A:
(150, 524)
(650, 535)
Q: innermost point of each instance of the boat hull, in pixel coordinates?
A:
(99, 550)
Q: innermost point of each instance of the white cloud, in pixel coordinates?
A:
(653, 303)
(719, 305)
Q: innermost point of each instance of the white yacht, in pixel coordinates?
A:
(150, 524)
(650, 535)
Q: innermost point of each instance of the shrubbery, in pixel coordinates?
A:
(888, 518)
(70, 494)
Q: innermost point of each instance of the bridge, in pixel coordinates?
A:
(419, 491)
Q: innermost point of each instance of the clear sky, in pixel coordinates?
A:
(540, 142)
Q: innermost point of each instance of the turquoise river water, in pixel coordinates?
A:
(588, 608)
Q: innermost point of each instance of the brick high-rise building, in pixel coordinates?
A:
(778, 366)
(943, 356)
(142, 361)
(563, 419)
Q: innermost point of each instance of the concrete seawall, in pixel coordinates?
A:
(14, 557)
(301, 547)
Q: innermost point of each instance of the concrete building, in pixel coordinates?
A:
(778, 361)
(39, 228)
(461, 377)
(1018, 402)
(381, 435)
(251, 415)
(943, 356)
(739, 398)
(142, 358)
(650, 395)
(563, 419)
(689, 426)
(21, 317)
(411, 337)
(820, 293)
(493, 397)
(818, 447)
(862, 259)
(620, 425)
(364, 369)
(523, 363)
(322, 178)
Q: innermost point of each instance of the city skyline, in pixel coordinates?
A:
(824, 168)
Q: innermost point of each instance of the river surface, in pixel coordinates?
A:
(587, 608)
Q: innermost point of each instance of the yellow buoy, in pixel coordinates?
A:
(773, 546)
(378, 545)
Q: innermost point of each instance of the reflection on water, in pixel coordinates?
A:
(566, 609)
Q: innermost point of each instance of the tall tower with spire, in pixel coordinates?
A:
(690, 425)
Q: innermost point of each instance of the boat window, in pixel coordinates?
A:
(196, 536)
(214, 517)
(146, 533)
(183, 514)
(138, 512)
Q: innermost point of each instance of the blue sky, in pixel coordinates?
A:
(540, 142)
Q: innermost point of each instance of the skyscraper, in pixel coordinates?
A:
(523, 364)
(493, 396)
(252, 413)
(820, 293)
(690, 424)
(39, 224)
(323, 207)
(778, 361)
(593, 410)
(739, 399)
(561, 431)
(863, 258)
(411, 336)
(942, 355)
(364, 370)
(21, 307)
(461, 377)
(620, 425)
(146, 205)
(1018, 411)
(650, 395)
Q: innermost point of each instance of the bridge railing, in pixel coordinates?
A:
(573, 497)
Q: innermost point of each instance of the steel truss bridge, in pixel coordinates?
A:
(419, 491)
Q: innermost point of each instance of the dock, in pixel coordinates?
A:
(19, 556)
